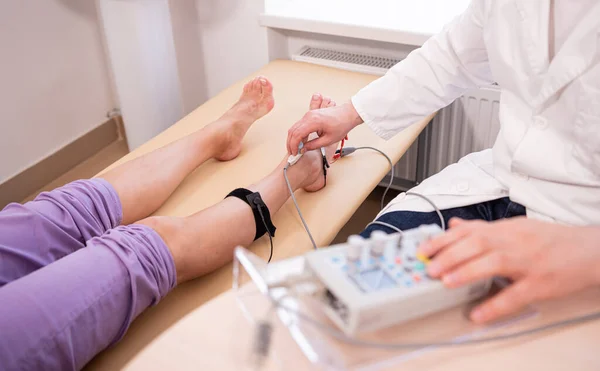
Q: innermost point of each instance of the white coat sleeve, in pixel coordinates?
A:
(430, 78)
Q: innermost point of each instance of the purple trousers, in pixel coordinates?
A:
(71, 279)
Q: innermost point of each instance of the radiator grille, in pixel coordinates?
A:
(348, 61)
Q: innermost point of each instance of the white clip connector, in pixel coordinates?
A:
(292, 160)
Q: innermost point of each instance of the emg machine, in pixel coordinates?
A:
(374, 283)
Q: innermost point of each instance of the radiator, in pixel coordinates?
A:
(467, 125)
(470, 124)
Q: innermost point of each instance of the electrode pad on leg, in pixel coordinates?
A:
(262, 216)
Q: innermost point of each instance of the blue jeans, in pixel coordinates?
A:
(491, 210)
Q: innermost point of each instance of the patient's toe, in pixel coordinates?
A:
(328, 102)
(316, 101)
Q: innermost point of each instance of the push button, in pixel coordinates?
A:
(423, 258)
(462, 187)
(540, 122)
(521, 176)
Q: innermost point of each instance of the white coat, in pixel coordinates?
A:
(547, 154)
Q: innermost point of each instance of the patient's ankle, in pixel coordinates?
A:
(308, 172)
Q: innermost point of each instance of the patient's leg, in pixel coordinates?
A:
(205, 241)
(145, 183)
(82, 303)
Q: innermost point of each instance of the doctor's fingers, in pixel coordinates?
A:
(318, 143)
(451, 236)
(300, 131)
(457, 253)
(510, 301)
(490, 264)
(455, 222)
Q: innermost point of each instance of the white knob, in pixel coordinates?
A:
(429, 231)
(379, 240)
(379, 235)
(355, 246)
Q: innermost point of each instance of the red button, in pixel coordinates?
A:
(398, 260)
(417, 278)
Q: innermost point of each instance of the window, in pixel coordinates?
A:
(420, 16)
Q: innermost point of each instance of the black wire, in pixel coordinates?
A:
(268, 232)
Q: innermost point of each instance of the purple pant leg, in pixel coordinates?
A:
(54, 225)
(60, 316)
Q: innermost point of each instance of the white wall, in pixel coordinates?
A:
(233, 43)
(189, 53)
(54, 81)
(141, 49)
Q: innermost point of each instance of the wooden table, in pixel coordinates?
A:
(349, 183)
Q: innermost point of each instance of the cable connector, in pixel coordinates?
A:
(346, 151)
(293, 159)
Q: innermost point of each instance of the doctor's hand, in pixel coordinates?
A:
(544, 260)
(331, 124)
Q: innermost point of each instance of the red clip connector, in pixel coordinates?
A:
(338, 153)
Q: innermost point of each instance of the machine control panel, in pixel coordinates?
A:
(377, 282)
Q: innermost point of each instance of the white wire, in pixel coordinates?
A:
(382, 204)
(391, 346)
(287, 181)
(391, 170)
(437, 210)
(385, 225)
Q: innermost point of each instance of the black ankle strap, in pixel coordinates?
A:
(262, 216)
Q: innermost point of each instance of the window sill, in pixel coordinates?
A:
(395, 21)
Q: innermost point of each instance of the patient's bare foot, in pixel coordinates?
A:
(256, 101)
(306, 174)
(312, 161)
(310, 166)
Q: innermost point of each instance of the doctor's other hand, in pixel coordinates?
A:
(331, 124)
(544, 260)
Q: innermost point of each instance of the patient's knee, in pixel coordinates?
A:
(166, 226)
(171, 230)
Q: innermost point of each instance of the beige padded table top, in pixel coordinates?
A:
(349, 182)
(217, 336)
